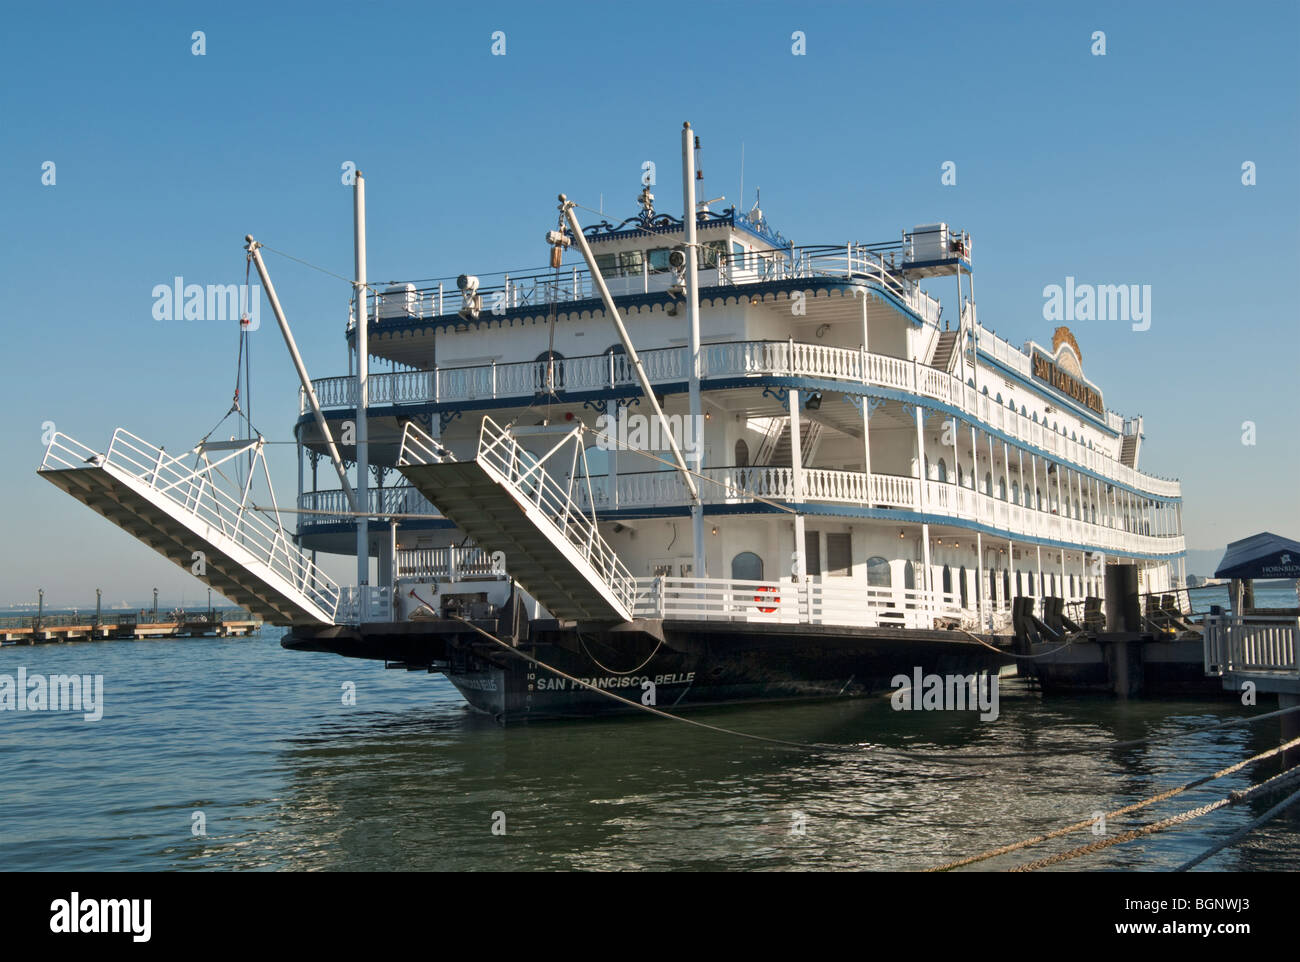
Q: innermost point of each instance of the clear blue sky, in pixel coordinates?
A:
(1117, 169)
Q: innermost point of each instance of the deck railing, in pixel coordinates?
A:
(815, 602)
(732, 485)
(532, 287)
(733, 359)
(1251, 644)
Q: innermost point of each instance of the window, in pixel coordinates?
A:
(742, 454)
(965, 602)
(747, 566)
(1015, 492)
(909, 577)
(988, 484)
(1002, 488)
(943, 471)
(839, 554)
(737, 254)
(878, 574)
(711, 252)
(812, 553)
(947, 579)
(658, 258)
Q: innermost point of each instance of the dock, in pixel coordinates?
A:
(55, 629)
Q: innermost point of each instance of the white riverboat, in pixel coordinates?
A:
(864, 476)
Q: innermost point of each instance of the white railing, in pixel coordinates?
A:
(746, 485)
(812, 602)
(540, 288)
(453, 563)
(331, 505)
(735, 359)
(196, 490)
(501, 453)
(360, 604)
(1251, 643)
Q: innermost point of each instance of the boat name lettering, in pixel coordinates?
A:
(1044, 368)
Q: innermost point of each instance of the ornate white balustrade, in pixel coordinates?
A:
(736, 359)
(815, 602)
(749, 485)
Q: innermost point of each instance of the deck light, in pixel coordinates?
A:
(814, 402)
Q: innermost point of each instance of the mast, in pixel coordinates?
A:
(253, 248)
(693, 320)
(363, 381)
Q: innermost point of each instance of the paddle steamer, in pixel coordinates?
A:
(687, 462)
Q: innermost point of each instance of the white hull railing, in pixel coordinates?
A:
(1251, 643)
(732, 359)
(811, 602)
(198, 490)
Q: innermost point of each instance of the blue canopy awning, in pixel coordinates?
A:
(1261, 556)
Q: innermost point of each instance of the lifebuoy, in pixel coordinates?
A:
(758, 599)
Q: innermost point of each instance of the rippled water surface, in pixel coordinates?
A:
(287, 777)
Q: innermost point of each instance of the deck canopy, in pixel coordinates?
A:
(1263, 555)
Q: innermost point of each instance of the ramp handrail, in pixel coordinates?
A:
(520, 470)
(196, 490)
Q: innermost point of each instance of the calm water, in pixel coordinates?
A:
(258, 739)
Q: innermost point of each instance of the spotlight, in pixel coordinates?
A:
(468, 285)
(814, 402)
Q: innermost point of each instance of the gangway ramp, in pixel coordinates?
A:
(507, 501)
(180, 510)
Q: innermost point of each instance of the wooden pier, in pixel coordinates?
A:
(62, 628)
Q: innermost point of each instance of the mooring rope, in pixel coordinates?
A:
(648, 708)
(1076, 826)
(1277, 782)
(856, 749)
(1237, 836)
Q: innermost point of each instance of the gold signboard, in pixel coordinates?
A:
(1046, 368)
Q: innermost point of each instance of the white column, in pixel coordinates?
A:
(796, 465)
(866, 441)
(693, 319)
(363, 382)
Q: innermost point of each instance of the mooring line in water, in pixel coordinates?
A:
(855, 749)
(1076, 826)
(861, 749)
(1284, 780)
(1237, 836)
(1069, 640)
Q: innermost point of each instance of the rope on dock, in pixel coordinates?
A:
(1076, 826)
(1284, 780)
(1237, 836)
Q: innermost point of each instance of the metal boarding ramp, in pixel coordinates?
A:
(180, 510)
(507, 502)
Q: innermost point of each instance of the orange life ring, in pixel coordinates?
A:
(758, 599)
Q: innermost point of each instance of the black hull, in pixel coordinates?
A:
(671, 666)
